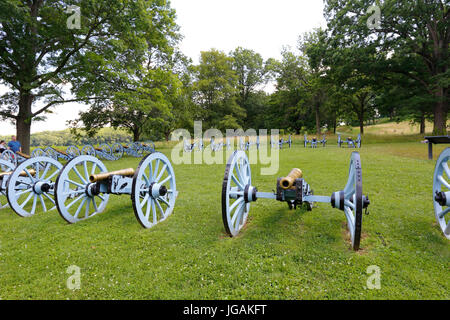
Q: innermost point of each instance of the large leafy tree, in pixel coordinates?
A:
(40, 55)
(215, 89)
(417, 30)
(251, 73)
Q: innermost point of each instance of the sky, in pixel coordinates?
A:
(264, 26)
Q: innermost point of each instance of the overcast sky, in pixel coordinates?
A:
(261, 25)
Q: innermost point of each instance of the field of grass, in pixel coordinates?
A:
(280, 254)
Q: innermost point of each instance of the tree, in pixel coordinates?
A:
(215, 89)
(418, 30)
(40, 55)
(250, 70)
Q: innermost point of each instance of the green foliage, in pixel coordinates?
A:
(66, 138)
(216, 88)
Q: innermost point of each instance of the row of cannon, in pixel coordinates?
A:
(245, 145)
(104, 151)
(350, 142)
(81, 189)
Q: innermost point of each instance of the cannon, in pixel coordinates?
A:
(107, 152)
(238, 192)
(323, 141)
(129, 149)
(219, 146)
(314, 142)
(288, 142)
(190, 146)
(350, 142)
(305, 141)
(84, 185)
(148, 146)
(441, 192)
(30, 186)
(70, 153)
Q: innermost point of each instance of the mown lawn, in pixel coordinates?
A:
(281, 254)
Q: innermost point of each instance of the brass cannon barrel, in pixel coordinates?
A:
(288, 182)
(59, 151)
(103, 176)
(26, 156)
(22, 174)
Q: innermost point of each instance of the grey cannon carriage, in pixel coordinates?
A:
(238, 192)
(29, 187)
(111, 153)
(84, 185)
(70, 153)
(350, 142)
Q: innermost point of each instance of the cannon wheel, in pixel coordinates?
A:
(5, 166)
(9, 156)
(73, 152)
(117, 151)
(150, 205)
(353, 200)
(106, 150)
(88, 150)
(441, 184)
(26, 194)
(38, 152)
(237, 177)
(50, 152)
(72, 200)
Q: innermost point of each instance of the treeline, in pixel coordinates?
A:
(351, 74)
(66, 138)
(370, 62)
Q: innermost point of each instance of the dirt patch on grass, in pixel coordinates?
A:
(348, 240)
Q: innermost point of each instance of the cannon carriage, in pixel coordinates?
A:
(189, 146)
(107, 152)
(239, 192)
(29, 187)
(70, 153)
(84, 185)
(350, 142)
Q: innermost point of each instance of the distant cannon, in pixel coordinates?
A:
(350, 142)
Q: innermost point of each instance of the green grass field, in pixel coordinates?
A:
(280, 254)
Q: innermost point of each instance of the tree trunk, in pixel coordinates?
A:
(422, 124)
(23, 121)
(317, 118)
(136, 134)
(440, 114)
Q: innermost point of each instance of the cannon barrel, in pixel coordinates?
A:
(288, 182)
(61, 152)
(26, 156)
(22, 174)
(103, 176)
